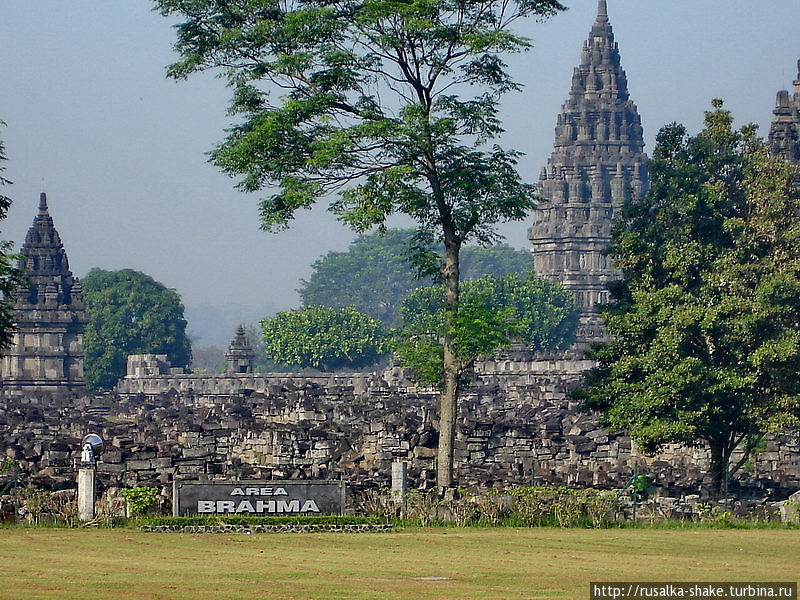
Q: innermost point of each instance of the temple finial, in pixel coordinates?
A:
(42, 202)
(602, 10)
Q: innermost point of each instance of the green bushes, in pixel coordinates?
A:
(140, 500)
(518, 507)
(562, 507)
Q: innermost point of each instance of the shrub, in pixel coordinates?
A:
(140, 499)
(492, 507)
(421, 506)
(39, 507)
(562, 506)
(377, 503)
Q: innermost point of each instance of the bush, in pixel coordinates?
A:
(140, 500)
(421, 506)
(40, 507)
(562, 507)
(377, 503)
(492, 507)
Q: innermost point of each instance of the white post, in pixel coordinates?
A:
(399, 480)
(86, 491)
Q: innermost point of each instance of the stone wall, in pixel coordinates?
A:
(516, 426)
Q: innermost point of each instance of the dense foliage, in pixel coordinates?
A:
(374, 275)
(140, 500)
(390, 105)
(494, 313)
(325, 338)
(10, 276)
(705, 340)
(130, 313)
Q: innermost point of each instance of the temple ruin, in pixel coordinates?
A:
(46, 352)
(784, 135)
(598, 160)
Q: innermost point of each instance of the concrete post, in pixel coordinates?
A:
(86, 491)
(399, 480)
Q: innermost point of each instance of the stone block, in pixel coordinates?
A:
(136, 465)
(104, 467)
(196, 452)
(422, 452)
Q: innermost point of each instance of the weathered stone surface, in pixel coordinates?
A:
(784, 135)
(46, 352)
(598, 159)
(511, 425)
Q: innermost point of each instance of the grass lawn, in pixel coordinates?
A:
(458, 564)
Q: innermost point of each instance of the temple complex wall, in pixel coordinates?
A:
(516, 426)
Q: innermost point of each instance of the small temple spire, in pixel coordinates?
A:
(240, 355)
(42, 202)
(797, 81)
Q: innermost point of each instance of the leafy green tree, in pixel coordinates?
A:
(374, 275)
(497, 260)
(324, 338)
(262, 363)
(10, 275)
(494, 313)
(705, 342)
(130, 313)
(390, 104)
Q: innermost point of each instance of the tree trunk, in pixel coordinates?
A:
(448, 405)
(719, 466)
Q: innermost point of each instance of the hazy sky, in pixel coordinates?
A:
(120, 149)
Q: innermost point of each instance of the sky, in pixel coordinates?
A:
(120, 149)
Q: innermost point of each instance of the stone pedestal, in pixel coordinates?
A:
(399, 480)
(86, 491)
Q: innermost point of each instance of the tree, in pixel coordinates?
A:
(494, 313)
(130, 313)
(374, 275)
(390, 104)
(324, 338)
(705, 345)
(10, 276)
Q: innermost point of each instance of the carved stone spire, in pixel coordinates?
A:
(47, 350)
(797, 81)
(240, 354)
(597, 161)
(602, 10)
(784, 134)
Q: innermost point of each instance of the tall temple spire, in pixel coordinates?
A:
(598, 160)
(797, 81)
(47, 349)
(784, 134)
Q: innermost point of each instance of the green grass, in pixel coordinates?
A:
(478, 563)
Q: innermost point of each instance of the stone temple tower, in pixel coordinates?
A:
(598, 160)
(47, 348)
(240, 354)
(784, 135)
